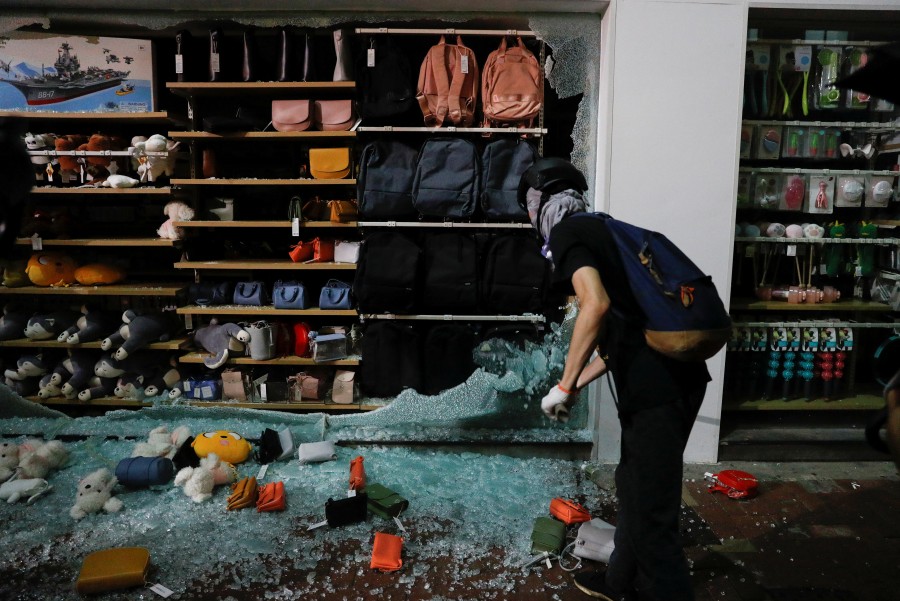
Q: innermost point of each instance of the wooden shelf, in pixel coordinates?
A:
(132, 404)
(109, 290)
(198, 357)
(152, 117)
(277, 264)
(171, 345)
(99, 402)
(263, 182)
(139, 242)
(267, 224)
(840, 306)
(860, 402)
(142, 191)
(259, 88)
(259, 135)
(264, 310)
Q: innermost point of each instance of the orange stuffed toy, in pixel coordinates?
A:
(97, 143)
(98, 273)
(51, 269)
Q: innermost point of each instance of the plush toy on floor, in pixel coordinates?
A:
(92, 325)
(95, 494)
(19, 488)
(161, 442)
(32, 459)
(136, 332)
(198, 482)
(175, 211)
(220, 340)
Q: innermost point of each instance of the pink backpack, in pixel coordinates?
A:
(448, 84)
(512, 87)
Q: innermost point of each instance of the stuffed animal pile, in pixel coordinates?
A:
(32, 459)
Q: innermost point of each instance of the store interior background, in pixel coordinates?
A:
(657, 126)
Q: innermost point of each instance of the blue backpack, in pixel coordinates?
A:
(685, 318)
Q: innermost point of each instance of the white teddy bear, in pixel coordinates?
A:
(32, 459)
(198, 482)
(161, 442)
(175, 211)
(154, 167)
(95, 493)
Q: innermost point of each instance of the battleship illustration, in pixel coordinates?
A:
(69, 80)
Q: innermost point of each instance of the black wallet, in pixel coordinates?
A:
(269, 448)
(346, 511)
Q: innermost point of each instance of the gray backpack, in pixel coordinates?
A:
(448, 179)
(504, 162)
(384, 185)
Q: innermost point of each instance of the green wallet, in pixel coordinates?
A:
(548, 535)
(384, 502)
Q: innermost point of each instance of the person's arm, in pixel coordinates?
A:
(594, 304)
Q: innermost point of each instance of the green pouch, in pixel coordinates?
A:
(384, 502)
(548, 534)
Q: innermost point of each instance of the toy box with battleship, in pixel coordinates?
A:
(51, 73)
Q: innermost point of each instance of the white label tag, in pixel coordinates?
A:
(263, 393)
(547, 561)
(823, 268)
(319, 525)
(802, 58)
(749, 251)
(464, 63)
(214, 62)
(351, 493)
(295, 226)
(400, 526)
(792, 250)
(370, 57)
(189, 322)
(179, 64)
(262, 471)
(37, 243)
(206, 392)
(161, 591)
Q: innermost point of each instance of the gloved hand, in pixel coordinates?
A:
(556, 403)
(245, 494)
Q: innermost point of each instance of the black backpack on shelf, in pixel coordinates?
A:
(448, 179)
(450, 273)
(503, 164)
(387, 274)
(385, 181)
(447, 356)
(516, 276)
(387, 88)
(391, 359)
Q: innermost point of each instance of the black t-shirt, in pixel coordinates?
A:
(644, 378)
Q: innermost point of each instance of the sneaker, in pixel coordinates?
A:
(593, 583)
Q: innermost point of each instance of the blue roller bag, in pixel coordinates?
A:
(140, 472)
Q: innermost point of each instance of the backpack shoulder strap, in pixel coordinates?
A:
(437, 57)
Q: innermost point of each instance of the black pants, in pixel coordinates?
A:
(648, 555)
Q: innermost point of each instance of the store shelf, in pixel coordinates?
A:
(115, 402)
(860, 402)
(838, 307)
(259, 135)
(108, 290)
(197, 357)
(445, 225)
(265, 224)
(142, 191)
(136, 242)
(269, 264)
(518, 131)
(262, 88)
(818, 240)
(263, 182)
(263, 310)
(447, 317)
(790, 170)
(171, 345)
(815, 323)
(887, 125)
(152, 117)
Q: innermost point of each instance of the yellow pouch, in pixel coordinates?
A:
(329, 163)
(113, 569)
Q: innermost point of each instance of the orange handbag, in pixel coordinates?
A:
(313, 251)
(386, 552)
(302, 251)
(271, 497)
(569, 512)
(329, 163)
(357, 474)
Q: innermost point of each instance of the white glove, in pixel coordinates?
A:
(555, 404)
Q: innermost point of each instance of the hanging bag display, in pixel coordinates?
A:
(384, 186)
(448, 84)
(503, 163)
(329, 163)
(512, 86)
(289, 295)
(292, 115)
(384, 80)
(335, 295)
(448, 179)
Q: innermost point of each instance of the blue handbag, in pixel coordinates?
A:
(335, 295)
(289, 295)
(250, 293)
(203, 388)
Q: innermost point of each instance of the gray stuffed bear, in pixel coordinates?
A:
(136, 332)
(221, 340)
(92, 325)
(25, 379)
(13, 322)
(48, 326)
(71, 374)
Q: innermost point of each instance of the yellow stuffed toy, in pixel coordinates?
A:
(98, 273)
(230, 447)
(51, 269)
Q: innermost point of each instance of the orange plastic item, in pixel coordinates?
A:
(569, 512)
(357, 474)
(386, 552)
(271, 497)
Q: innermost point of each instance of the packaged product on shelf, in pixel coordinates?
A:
(794, 192)
(821, 194)
(757, 83)
(766, 190)
(744, 199)
(768, 142)
(849, 191)
(857, 57)
(795, 142)
(827, 69)
(746, 140)
(810, 335)
(879, 190)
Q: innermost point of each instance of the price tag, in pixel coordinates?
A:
(370, 57)
(262, 471)
(179, 64)
(791, 250)
(351, 493)
(189, 322)
(37, 243)
(295, 226)
(161, 591)
(319, 525)
(206, 392)
(464, 63)
(214, 62)
(263, 393)
(802, 58)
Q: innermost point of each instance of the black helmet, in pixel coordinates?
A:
(551, 175)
